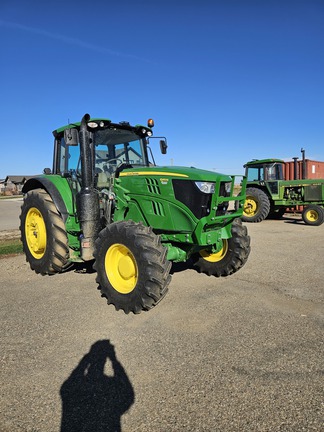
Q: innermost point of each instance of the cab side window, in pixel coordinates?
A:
(63, 159)
(74, 159)
(255, 174)
(69, 157)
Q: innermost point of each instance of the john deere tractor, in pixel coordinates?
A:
(106, 201)
(268, 194)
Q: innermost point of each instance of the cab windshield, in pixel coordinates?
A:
(265, 172)
(115, 147)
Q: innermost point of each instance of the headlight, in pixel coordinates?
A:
(206, 187)
(92, 124)
(146, 132)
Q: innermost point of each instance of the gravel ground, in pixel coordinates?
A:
(242, 353)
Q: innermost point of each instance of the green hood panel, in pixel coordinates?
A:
(176, 172)
(167, 199)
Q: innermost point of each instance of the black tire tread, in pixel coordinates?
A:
(57, 258)
(320, 213)
(150, 255)
(236, 257)
(263, 203)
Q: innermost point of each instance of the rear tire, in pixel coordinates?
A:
(43, 234)
(256, 206)
(230, 259)
(132, 269)
(313, 215)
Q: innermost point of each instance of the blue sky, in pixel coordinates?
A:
(225, 80)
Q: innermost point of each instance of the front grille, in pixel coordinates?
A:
(313, 192)
(187, 192)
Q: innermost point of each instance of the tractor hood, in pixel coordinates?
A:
(176, 172)
(175, 199)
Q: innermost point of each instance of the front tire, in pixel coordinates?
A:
(132, 269)
(43, 234)
(313, 215)
(230, 258)
(256, 206)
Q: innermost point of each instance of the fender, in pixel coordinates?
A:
(51, 189)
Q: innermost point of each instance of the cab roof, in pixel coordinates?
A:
(263, 161)
(106, 122)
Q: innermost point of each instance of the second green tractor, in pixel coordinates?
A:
(268, 194)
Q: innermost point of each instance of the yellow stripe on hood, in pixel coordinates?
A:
(150, 173)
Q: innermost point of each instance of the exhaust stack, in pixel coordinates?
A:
(87, 199)
(295, 168)
(304, 163)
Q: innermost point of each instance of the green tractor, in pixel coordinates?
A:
(269, 195)
(106, 200)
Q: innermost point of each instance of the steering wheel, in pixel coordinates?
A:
(108, 167)
(120, 161)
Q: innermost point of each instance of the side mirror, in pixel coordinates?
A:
(163, 146)
(71, 137)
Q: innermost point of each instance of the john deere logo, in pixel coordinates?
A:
(164, 181)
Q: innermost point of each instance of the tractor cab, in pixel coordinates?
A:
(112, 148)
(264, 170)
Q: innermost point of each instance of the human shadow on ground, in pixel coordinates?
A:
(91, 400)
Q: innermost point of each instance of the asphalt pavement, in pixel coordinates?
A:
(9, 213)
(242, 353)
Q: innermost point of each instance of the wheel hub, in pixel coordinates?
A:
(312, 215)
(121, 268)
(250, 207)
(35, 230)
(217, 256)
(126, 267)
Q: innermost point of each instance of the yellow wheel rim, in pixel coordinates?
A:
(35, 232)
(312, 215)
(250, 207)
(121, 268)
(215, 257)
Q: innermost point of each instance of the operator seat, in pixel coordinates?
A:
(102, 180)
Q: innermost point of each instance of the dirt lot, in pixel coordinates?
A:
(243, 353)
